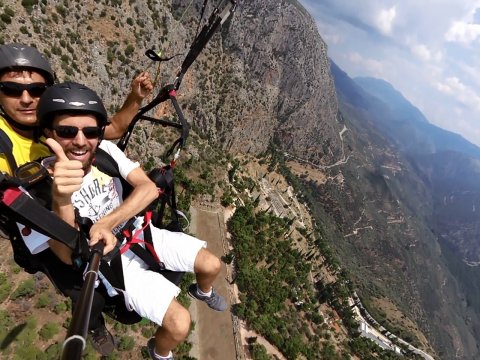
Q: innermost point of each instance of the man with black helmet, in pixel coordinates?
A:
(24, 75)
(73, 118)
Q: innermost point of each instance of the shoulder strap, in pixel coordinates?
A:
(107, 164)
(6, 147)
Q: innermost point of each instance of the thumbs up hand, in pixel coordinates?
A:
(67, 174)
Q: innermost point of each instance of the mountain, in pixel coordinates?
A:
(450, 168)
(404, 110)
(392, 195)
(402, 122)
(433, 177)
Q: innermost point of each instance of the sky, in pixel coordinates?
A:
(429, 50)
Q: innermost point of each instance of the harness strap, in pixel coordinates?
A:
(151, 258)
(113, 272)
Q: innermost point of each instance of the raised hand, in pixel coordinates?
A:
(67, 174)
(142, 86)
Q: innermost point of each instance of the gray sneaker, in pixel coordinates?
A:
(215, 301)
(102, 341)
(151, 350)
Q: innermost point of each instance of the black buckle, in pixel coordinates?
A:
(30, 173)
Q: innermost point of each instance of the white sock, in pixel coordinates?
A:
(201, 293)
(158, 357)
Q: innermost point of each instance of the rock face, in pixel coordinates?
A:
(266, 78)
(278, 48)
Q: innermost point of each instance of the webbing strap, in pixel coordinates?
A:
(134, 239)
(31, 213)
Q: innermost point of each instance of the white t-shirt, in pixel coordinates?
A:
(98, 196)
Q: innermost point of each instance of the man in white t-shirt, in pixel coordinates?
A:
(73, 118)
(25, 73)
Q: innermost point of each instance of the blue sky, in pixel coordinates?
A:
(429, 50)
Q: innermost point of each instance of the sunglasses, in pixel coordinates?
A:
(70, 132)
(14, 89)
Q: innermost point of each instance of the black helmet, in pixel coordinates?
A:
(69, 97)
(14, 56)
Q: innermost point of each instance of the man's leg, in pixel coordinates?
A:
(174, 330)
(182, 252)
(206, 268)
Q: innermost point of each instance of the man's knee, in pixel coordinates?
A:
(207, 263)
(177, 321)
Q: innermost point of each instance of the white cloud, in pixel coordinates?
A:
(385, 20)
(371, 66)
(471, 71)
(329, 34)
(422, 52)
(463, 32)
(465, 95)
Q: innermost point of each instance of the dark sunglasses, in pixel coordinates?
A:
(14, 89)
(69, 132)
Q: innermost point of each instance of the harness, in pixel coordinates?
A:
(32, 211)
(154, 215)
(39, 188)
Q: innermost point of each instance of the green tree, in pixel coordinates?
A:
(126, 343)
(25, 289)
(48, 331)
(43, 301)
(259, 352)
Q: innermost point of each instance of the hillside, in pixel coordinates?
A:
(418, 167)
(363, 173)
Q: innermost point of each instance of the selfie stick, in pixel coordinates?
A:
(76, 340)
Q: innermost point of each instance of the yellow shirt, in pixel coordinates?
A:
(24, 149)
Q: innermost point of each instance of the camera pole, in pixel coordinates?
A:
(76, 340)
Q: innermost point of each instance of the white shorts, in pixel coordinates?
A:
(148, 292)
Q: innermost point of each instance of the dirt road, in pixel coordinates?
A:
(213, 334)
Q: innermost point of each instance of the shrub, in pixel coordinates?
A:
(61, 10)
(25, 289)
(9, 11)
(28, 5)
(6, 19)
(126, 343)
(43, 301)
(129, 50)
(48, 331)
(60, 308)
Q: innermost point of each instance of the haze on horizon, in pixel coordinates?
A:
(428, 50)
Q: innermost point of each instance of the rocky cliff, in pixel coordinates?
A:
(266, 78)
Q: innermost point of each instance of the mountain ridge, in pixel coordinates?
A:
(424, 196)
(250, 90)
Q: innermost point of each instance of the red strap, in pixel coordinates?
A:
(10, 195)
(135, 240)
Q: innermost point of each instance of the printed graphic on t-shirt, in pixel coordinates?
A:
(98, 196)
